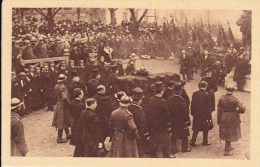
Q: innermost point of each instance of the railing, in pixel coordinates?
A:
(45, 60)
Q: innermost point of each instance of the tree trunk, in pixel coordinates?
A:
(50, 19)
(113, 17)
(78, 13)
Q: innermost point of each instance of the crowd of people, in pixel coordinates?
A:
(85, 90)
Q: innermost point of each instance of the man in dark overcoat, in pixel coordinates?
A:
(180, 120)
(93, 83)
(103, 110)
(140, 121)
(201, 112)
(185, 68)
(212, 86)
(159, 121)
(47, 87)
(92, 138)
(207, 60)
(229, 110)
(76, 108)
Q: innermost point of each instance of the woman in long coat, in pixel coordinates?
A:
(229, 109)
(61, 119)
(123, 131)
(76, 108)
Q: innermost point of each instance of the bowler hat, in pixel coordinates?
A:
(158, 86)
(137, 93)
(15, 102)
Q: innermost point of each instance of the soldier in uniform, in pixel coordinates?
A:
(241, 65)
(180, 120)
(229, 110)
(61, 119)
(140, 121)
(123, 131)
(18, 143)
(91, 138)
(103, 110)
(159, 121)
(201, 112)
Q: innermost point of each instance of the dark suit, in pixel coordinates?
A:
(76, 108)
(201, 112)
(206, 62)
(211, 89)
(159, 121)
(91, 131)
(180, 120)
(140, 122)
(103, 111)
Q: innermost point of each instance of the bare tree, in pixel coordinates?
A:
(113, 16)
(48, 14)
(136, 23)
(78, 13)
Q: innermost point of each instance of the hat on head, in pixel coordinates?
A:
(15, 102)
(137, 93)
(171, 83)
(208, 69)
(26, 41)
(51, 40)
(183, 82)
(101, 87)
(61, 78)
(158, 86)
(125, 100)
(74, 73)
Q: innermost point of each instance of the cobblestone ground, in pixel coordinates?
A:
(41, 137)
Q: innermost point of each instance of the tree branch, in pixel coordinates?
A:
(115, 9)
(132, 11)
(56, 11)
(141, 18)
(39, 10)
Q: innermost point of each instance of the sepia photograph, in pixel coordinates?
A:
(130, 83)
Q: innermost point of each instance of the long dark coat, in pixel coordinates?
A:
(18, 143)
(47, 85)
(103, 111)
(140, 122)
(211, 89)
(185, 64)
(200, 109)
(91, 131)
(61, 119)
(92, 87)
(240, 70)
(229, 118)
(158, 120)
(124, 133)
(179, 116)
(76, 108)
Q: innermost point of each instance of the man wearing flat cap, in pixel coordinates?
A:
(18, 143)
(158, 121)
(140, 120)
(180, 120)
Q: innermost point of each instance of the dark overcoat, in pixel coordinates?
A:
(103, 111)
(229, 118)
(18, 143)
(158, 120)
(91, 131)
(124, 133)
(211, 89)
(92, 87)
(76, 107)
(200, 109)
(179, 116)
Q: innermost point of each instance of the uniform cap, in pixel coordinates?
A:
(137, 93)
(15, 102)
(158, 86)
